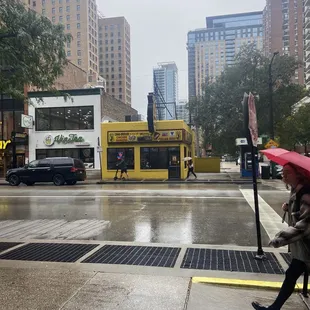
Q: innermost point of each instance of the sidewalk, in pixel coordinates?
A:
(60, 274)
(59, 288)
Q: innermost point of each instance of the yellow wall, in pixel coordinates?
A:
(205, 165)
(138, 173)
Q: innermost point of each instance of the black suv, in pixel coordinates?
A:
(59, 170)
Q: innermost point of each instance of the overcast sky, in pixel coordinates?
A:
(159, 32)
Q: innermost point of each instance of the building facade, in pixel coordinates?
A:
(166, 89)
(182, 111)
(80, 19)
(71, 128)
(148, 156)
(307, 42)
(284, 30)
(115, 57)
(212, 48)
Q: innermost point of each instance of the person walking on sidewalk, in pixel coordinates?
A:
(191, 169)
(297, 235)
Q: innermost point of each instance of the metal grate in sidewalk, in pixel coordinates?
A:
(287, 257)
(49, 252)
(7, 245)
(135, 255)
(228, 260)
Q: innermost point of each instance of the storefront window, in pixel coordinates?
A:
(84, 154)
(128, 156)
(69, 118)
(154, 158)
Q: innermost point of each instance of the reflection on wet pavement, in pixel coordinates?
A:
(161, 214)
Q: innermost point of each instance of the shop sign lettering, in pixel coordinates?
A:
(49, 140)
(3, 144)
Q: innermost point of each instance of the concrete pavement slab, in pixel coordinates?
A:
(38, 288)
(120, 291)
(207, 297)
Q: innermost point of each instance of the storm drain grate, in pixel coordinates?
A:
(7, 245)
(49, 252)
(135, 255)
(287, 257)
(226, 260)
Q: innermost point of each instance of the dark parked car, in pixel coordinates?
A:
(59, 170)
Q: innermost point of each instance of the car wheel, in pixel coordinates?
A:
(58, 180)
(14, 180)
(29, 183)
(71, 182)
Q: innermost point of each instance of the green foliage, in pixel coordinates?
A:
(35, 55)
(219, 111)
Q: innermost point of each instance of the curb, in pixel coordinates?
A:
(176, 182)
(244, 283)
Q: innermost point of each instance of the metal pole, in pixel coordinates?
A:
(305, 287)
(260, 252)
(271, 96)
(270, 101)
(100, 157)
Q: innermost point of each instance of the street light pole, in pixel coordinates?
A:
(271, 96)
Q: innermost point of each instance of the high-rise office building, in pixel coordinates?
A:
(115, 57)
(166, 88)
(80, 19)
(284, 30)
(212, 48)
(182, 110)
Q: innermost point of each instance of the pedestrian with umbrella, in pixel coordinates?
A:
(190, 167)
(296, 174)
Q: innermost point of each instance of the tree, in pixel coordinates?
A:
(220, 112)
(33, 53)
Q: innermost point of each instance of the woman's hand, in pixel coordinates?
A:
(285, 207)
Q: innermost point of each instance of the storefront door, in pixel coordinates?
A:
(174, 169)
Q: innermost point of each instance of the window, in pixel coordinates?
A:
(120, 90)
(78, 16)
(79, 35)
(154, 158)
(68, 18)
(69, 118)
(86, 155)
(120, 97)
(126, 153)
(113, 90)
(53, 10)
(78, 7)
(78, 25)
(60, 19)
(112, 41)
(79, 53)
(33, 164)
(79, 62)
(60, 9)
(53, 19)
(68, 26)
(43, 11)
(78, 43)
(69, 53)
(119, 48)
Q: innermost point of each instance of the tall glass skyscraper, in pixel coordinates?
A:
(165, 84)
(212, 48)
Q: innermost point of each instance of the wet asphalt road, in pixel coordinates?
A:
(181, 214)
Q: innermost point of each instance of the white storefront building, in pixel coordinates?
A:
(66, 128)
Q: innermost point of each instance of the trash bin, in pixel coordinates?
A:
(265, 172)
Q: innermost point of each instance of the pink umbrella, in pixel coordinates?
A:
(283, 157)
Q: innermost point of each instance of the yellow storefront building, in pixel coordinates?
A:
(158, 155)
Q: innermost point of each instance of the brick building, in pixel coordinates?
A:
(284, 31)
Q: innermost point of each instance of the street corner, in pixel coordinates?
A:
(234, 298)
